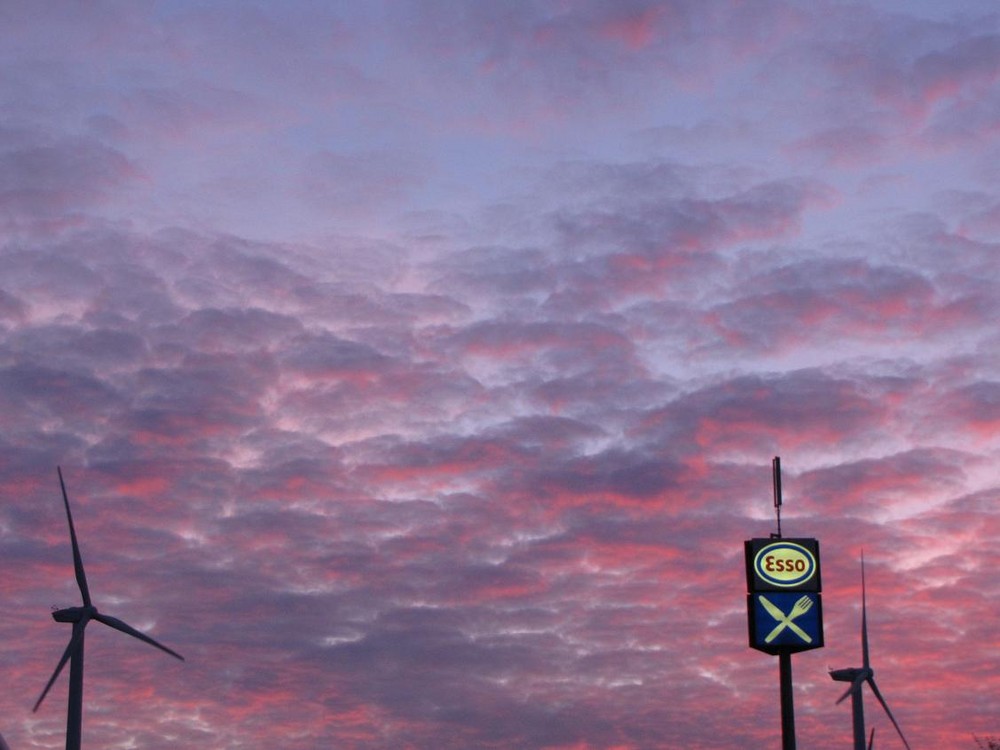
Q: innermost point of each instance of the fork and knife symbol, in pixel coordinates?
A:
(800, 607)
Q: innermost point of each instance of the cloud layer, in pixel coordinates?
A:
(416, 369)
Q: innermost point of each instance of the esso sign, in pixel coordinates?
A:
(785, 564)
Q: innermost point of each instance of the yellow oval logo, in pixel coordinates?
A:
(785, 564)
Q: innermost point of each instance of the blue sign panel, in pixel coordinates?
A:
(785, 621)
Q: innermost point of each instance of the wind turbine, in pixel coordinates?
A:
(858, 676)
(79, 617)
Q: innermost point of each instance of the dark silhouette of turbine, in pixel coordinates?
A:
(858, 676)
(79, 617)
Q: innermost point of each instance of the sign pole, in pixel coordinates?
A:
(784, 659)
(787, 703)
(784, 603)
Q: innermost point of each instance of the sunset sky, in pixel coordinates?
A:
(416, 368)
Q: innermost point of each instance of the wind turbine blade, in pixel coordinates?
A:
(878, 695)
(124, 627)
(71, 647)
(3, 744)
(864, 617)
(81, 577)
(856, 685)
(871, 739)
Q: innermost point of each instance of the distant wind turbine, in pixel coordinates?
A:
(858, 677)
(79, 617)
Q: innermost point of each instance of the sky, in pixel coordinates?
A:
(416, 368)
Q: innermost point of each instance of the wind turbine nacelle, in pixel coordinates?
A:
(847, 675)
(73, 614)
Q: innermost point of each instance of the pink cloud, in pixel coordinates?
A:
(636, 30)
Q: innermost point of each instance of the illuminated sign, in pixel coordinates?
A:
(782, 565)
(784, 604)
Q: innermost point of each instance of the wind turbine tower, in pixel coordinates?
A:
(79, 617)
(858, 676)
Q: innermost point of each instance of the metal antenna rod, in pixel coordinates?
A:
(776, 472)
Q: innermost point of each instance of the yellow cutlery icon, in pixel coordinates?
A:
(800, 607)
